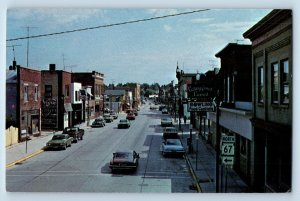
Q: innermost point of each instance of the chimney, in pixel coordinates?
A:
(52, 67)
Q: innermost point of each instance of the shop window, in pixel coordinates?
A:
(25, 93)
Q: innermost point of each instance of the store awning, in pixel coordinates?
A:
(68, 107)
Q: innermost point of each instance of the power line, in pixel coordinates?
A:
(108, 25)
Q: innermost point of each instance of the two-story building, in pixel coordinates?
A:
(95, 81)
(23, 95)
(236, 108)
(272, 83)
(56, 103)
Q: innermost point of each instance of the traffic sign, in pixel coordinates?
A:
(227, 160)
(227, 139)
(227, 149)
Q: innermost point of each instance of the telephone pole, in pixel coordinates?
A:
(28, 28)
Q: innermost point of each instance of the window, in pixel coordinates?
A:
(260, 85)
(67, 91)
(48, 91)
(36, 92)
(284, 84)
(25, 93)
(274, 83)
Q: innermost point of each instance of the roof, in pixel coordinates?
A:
(231, 47)
(267, 23)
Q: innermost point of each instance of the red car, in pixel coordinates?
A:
(130, 116)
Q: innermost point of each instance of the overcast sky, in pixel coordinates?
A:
(141, 52)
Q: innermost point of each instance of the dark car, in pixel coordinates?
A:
(59, 141)
(135, 112)
(99, 122)
(130, 116)
(170, 133)
(124, 123)
(167, 121)
(164, 111)
(124, 160)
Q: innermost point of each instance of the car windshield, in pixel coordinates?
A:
(123, 120)
(173, 142)
(58, 137)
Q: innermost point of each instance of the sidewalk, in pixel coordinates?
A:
(19, 152)
(202, 164)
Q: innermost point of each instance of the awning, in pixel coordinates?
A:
(89, 93)
(68, 107)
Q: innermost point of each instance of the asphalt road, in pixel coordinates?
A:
(84, 167)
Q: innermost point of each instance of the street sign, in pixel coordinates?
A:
(200, 91)
(227, 160)
(227, 149)
(200, 107)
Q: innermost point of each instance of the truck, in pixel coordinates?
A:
(74, 132)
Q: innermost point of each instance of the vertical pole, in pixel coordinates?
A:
(27, 45)
(26, 132)
(226, 172)
(197, 140)
(217, 147)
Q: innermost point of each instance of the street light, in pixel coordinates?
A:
(178, 76)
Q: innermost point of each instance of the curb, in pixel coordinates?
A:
(199, 190)
(24, 159)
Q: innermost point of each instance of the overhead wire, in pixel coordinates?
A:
(108, 25)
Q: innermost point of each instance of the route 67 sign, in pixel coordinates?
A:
(227, 149)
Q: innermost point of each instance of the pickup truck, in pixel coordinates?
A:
(74, 132)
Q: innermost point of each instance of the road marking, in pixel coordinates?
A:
(24, 159)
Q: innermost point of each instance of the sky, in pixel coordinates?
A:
(144, 52)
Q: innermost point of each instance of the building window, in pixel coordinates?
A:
(260, 85)
(285, 92)
(26, 93)
(274, 82)
(67, 91)
(36, 92)
(48, 91)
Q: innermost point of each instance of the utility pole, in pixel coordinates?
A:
(28, 28)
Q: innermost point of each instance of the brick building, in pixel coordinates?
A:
(23, 87)
(56, 99)
(95, 81)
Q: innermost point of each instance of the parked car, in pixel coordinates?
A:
(114, 114)
(124, 160)
(167, 121)
(164, 111)
(99, 122)
(135, 112)
(74, 132)
(130, 116)
(161, 107)
(172, 147)
(124, 123)
(108, 118)
(170, 133)
(59, 141)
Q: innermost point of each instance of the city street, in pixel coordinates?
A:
(84, 167)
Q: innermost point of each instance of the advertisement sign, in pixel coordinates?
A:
(200, 106)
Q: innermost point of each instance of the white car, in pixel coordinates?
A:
(172, 147)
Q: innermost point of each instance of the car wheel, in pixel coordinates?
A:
(81, 137)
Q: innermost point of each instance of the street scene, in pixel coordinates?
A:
(146, 101)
